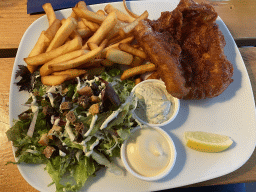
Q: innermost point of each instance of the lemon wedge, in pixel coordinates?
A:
(207, 142)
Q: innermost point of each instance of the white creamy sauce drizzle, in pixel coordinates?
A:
(99, 137)
(111, 149)
(34, 105)
(51, 99)
(94, 119)
(53, 89)
(52, 120)
(92, 147)
(84, 143)
(115, 113)
(69, 130)
(81, 85)
(62, 153)
(112, 116)
(57, 121)
(78, 155)
(153, 104)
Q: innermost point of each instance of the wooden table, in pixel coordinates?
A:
(239, 16)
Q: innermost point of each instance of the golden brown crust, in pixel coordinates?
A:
(188, 49)
(166, 58)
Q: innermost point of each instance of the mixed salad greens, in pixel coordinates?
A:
(75, 128)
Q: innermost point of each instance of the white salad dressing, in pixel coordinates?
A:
(148, 152)
(111, 149)
(154, 104)
(50, 96)
(112, 116)
(34, 105)
(92, 147)
(94, 119)
(62, 153)
(55, 89)
(69, 130)
(99, 137)
(57, 121)
(84, 143)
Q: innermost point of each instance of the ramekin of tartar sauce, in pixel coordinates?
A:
(149, 153)
(155, 106)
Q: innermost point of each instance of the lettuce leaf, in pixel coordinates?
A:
(79, 172)
(53, 168)
(84, 169)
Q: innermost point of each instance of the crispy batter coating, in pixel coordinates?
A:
(165, 56)
(191, 29)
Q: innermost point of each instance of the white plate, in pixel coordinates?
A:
(232, 113)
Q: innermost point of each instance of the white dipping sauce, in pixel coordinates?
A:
(154, 103)
(148, 152)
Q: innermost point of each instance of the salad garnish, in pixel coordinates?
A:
(75, 128)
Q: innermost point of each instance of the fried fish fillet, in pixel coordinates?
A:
(191, 36)
(165, 56)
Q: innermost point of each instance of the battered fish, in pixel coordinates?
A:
(165, 56)
(192, 38)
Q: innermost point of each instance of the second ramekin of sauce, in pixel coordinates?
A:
(149, 153)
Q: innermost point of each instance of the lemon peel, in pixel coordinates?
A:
(207, 142)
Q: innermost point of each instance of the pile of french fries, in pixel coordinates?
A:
(87, 41)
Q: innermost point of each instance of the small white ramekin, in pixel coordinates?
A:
(169, 167)
(175, 105)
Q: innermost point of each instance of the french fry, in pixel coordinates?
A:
(136, 61)
(138, 70)
(40, 47)
(138, 80)
(73, 13)
(118, 56)
(42, 58)
(91, 64)
(128, 11)
(89, 15)
(75, 34)
(115, 40)
(63, 21)
(128, 28)
(72, 73)
(44, 70)
(129, 49)
(86, 32)
(92, 26)
(92, 45)
(102, 32)
(107, 63)
(49, 12)
(63, 33)
(101, 12)
(115, 46)
(120, 15)
(77, 61)
(104, 43)
(82, 5)
(115, 31)
(81, 25)
(53, 80)
(52, 29)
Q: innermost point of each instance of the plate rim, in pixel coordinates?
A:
(142, 2)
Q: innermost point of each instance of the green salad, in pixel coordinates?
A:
(75, 128)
